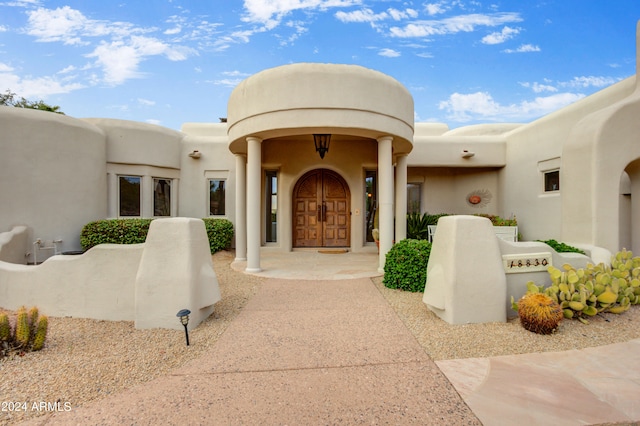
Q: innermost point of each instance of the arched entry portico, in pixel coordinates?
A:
(321, 210)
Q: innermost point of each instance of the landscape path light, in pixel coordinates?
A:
(184, 320)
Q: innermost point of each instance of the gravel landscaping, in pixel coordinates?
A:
(85, 360)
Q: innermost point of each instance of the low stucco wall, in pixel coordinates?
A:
(146, 283)
(99, 284)
(13, 245)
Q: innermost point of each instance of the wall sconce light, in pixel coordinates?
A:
(467, 153)
(184, 320)
(195, 154)
(322, 143)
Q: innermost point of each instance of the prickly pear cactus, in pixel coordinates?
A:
(40, 333)
(539, 313)
(583, 293)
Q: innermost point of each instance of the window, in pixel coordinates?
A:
(161, 197)
(552, 181)
(129, 195)
(216, 197)
(413, 197)
(271, 201)
(371, 203)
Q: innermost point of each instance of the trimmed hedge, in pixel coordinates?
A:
(405, 266)
(134, 231)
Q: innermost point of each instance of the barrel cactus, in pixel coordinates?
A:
(5, 328)
(539, 313)
(40, 333)
(23, 330)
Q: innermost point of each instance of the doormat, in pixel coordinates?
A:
(334, 251)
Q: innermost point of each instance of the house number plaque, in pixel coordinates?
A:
(526, 262)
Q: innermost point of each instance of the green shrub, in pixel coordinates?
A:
(432, 219)
(114, 231)
(499, 221)
(405, 267)
(417, 226)
(134, 231)
(561, 247)
(220, 233)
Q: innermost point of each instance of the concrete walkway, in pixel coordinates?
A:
(311, 351)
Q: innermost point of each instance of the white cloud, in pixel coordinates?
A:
(434, 8)
(589, 81)
(270, 13)
(453, 25)
(481, 105)
(500, 36)
(3, 29)
(40, 87)
(362, 15)
(5, 68)
(398, 15)
(228, 82)
(153, 121)
(523, 49)
(146, 102)
(539, 87)
(389, 53)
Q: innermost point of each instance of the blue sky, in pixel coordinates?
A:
(173, 61)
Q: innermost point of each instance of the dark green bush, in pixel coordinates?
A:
(405, 267)
(417, 226)
(114, 231)
(562, 247)
(134, 231)
(220, 233)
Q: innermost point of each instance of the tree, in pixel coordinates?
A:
(11, 99)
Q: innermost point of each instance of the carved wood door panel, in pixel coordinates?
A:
(321, 216)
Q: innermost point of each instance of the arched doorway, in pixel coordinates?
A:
(321, 215)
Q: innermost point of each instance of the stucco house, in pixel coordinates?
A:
(310, 154)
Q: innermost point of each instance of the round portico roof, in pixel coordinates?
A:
(305, 98)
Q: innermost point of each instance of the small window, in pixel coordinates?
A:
(413, 198)
(130, 195)
(162, 197)
(216, 197)
(271, 201)
(552, 181)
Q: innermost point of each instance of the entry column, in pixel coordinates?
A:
(385, 218)
(241, 207)
(401, 197)
(254, 166)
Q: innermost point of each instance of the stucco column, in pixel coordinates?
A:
(385, 200)
(146, 188)
(401, 197)
(112, 196)
(241, 207)
(254, 166)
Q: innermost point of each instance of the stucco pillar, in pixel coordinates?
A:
(112, 195)
(146, 189)
(254, 166)
(241, 207)
(401, 197)
(385, 200)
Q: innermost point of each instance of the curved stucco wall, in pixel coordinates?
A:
(130, 142)
(52, 175)
(320, 98)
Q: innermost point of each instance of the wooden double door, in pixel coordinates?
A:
(321, 212)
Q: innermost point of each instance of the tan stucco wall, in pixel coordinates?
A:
(131, 142)
(309, 98)
(599, 149)
(529, 147)
(445, 190)
(52, 175)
